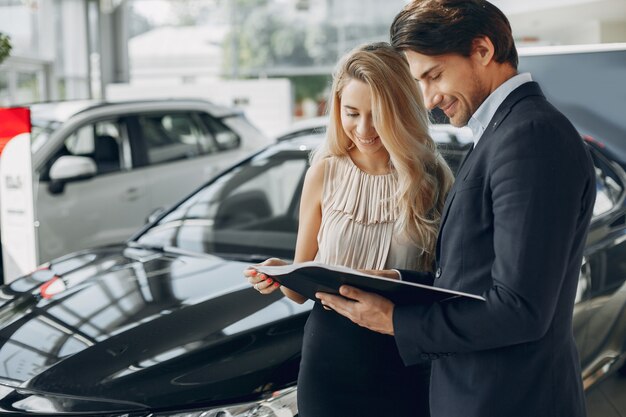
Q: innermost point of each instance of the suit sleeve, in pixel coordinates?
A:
(541, 193)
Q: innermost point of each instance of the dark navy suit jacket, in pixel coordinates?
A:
(513, 230)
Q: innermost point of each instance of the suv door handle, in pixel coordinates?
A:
(132, 194)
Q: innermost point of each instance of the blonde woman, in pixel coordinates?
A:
(372, 199)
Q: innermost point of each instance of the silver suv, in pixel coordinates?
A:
(100, 168)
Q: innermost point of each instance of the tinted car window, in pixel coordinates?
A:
(224, 136)
(101, 141)
(41, 131)
(250, 211)
(173, 136)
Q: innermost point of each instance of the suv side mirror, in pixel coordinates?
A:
(227, 140)
(70, 168)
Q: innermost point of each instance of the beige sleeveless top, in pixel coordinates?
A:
(359, 213)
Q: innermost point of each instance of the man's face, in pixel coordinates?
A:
(451, 82)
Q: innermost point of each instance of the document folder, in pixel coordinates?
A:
(307, 278)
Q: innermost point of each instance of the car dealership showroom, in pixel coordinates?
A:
(154, 152)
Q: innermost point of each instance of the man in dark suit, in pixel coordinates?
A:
(513, 228)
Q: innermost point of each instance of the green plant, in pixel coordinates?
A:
(5, 46)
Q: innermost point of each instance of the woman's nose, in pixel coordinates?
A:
(365, 126)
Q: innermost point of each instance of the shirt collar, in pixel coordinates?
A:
(481, 118)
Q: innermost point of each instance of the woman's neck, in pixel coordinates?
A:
(376, 164)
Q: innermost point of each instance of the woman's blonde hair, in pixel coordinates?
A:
(401, 121)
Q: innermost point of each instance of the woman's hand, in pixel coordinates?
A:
(261, 282)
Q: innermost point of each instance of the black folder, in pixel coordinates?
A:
(307, 278)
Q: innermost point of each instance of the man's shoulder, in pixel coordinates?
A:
(531, 110)
(534, 126)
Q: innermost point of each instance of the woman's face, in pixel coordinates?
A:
(356, 117)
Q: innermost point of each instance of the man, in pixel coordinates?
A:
(513, 228)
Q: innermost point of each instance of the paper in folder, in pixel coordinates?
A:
(307, 278)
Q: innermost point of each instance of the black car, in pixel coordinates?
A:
(166, 325)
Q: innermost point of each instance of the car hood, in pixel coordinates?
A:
(124, 328)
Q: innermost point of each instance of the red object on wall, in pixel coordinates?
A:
(13, 121)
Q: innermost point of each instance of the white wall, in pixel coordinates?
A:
(613, 31)
(74, 40)
(567, 22)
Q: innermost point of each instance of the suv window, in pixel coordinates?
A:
(174, 136)
(101, 141)
(226, 139)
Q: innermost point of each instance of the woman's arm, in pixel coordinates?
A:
(309, 222)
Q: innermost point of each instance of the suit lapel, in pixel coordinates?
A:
(446, 208)
(525, 90)
(465, 164)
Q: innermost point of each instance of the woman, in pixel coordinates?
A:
(372, 199)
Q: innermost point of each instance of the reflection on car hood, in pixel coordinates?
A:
(128, 328)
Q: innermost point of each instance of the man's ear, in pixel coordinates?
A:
(482, 50)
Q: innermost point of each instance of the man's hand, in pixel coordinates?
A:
(364, 308)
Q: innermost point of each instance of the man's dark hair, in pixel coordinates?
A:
(437, 27)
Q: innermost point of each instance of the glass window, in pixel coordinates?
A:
(40, 132)
(101, 141)
(250, 211)
(226, 139)
(5, 93)
(173, 136)
(28, 87)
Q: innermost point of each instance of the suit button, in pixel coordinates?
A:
(438, 273)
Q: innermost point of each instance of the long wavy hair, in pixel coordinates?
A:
(401, 121)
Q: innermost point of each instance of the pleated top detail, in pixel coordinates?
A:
(359, 212)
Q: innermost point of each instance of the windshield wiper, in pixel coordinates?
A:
(231, 256)
(169, 249)
(244, 257)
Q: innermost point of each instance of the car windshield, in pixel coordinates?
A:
(249, 213)
(40, 132)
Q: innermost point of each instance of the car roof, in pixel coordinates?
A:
(303, 127)
(61, 111)
(305, 124)
(302, 143)
(316, 126)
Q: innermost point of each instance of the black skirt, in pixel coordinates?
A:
(347, 370)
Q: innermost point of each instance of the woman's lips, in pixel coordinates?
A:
(368, 141)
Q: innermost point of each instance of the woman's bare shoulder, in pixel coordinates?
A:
(315, 173)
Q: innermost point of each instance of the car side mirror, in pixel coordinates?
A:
(70, 168)
(154, 214)
(227, 140)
